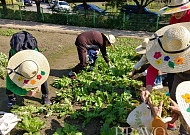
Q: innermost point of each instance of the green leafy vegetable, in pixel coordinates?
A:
(156, 97)
(31, 125)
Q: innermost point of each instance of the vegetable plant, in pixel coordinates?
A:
(31, 125)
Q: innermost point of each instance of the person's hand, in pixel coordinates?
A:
(37, 89)
(174, 117)
(97, 52)
(132, 72)
(156, 110)
(174, 107)
(31, 93)
(144, 95)
(135, 76)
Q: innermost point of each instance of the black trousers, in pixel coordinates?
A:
(44, 89)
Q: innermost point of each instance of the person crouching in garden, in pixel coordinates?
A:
(88, 40)
(28, 69)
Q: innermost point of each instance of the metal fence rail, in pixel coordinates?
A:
(114, 20)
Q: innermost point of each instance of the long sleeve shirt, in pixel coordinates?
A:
(141, 62)
(93, 38)
(151, 75)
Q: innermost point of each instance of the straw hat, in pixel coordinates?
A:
(28, 69)
(111, 39)
(168, 50)
(183, 100)
(175, 6)
(141, 49)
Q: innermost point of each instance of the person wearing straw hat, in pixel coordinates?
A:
(179, 9)
(141, 49)
(168, 51)
(91, 39)
(27, 68)
(181, 13)
(182, 108)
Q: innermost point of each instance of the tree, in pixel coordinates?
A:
(38, 6)
(4, 6)
(85, 8)
(140, 3)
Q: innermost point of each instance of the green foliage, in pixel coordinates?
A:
(114, 20)
(8, 32)
(68, 130)
(23, 111)
(106, 130)
(103, 94)
(3, 64)
(31, 125)
(156, 97)
(98, 91)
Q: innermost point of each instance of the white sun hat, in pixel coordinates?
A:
(141, 49)
(175, 6)
(111, 38)
(28, 68)
(169, 48)
(183, 100)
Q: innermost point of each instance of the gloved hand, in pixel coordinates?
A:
(71, 75)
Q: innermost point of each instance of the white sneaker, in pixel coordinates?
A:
(158, 86)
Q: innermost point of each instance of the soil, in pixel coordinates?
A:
(62, 55)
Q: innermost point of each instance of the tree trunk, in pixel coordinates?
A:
(85, 8)
(4, 7)
(140, 9)
(38, 9)
(12, 3)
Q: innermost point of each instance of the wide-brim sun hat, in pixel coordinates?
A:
(183, 100)
(111, 39)
(168, 49)
(175, 6)
(141, 49)
(28, 69)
